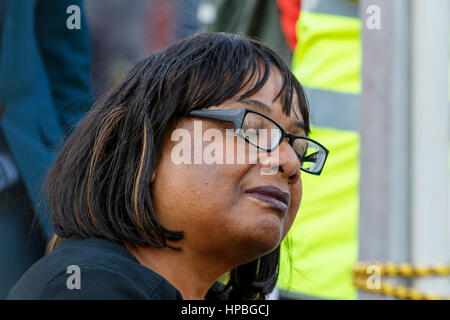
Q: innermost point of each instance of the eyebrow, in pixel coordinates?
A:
(264, 107)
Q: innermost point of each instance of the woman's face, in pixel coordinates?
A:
(209, 202)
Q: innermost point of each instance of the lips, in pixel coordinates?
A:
(271, 195)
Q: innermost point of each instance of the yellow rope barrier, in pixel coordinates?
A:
(362, 271)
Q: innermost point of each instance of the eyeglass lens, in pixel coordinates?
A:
(265, 133)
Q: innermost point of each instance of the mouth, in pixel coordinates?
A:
(271, 195)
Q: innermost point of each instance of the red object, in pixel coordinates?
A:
(289, 13)
(160, 24)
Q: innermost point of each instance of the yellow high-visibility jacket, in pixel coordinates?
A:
(323, 239)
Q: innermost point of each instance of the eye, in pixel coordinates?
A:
(253, 122)
(300, 147)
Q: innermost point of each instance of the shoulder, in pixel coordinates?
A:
(91, 269)
(100, 282)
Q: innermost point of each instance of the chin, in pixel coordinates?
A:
(265, 240)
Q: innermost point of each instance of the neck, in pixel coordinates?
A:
(191, 274)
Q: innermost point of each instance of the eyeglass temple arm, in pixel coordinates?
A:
(232, 115)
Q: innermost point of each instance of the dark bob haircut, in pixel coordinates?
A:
(99, 185)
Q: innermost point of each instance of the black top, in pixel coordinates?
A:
(107, 270)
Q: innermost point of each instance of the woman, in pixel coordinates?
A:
(133, 221)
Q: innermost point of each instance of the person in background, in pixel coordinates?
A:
(271, 21)
(45, 88)
(119, 38)
(137, 31)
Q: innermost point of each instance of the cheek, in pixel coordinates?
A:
(296, 192)
(205, 188)
(193, 197)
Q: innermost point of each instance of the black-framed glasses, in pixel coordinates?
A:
(264, 133)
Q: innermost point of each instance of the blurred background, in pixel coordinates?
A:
(374, 225)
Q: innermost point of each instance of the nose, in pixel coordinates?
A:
(289, 162)
(285, 158)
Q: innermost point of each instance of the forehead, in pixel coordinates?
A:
(264, 101)
(270, 91)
